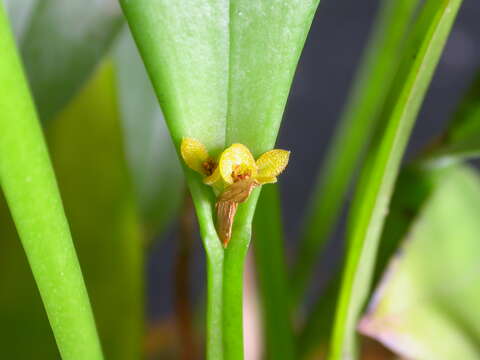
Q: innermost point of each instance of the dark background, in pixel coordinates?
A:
(332, 53)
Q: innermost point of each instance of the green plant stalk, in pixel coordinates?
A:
(29, 185)
(235, 255)
(350, 141)
(272, 276)
(215, 259)
(378, 177)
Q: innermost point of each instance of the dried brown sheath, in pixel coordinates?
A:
(227, 205)
(226, 211)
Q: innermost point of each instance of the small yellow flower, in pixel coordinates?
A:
(236, 174)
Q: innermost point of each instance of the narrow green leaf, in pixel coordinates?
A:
(87, 152)
(272, 276)
(376, 184)
(29, 185)
(61, 46)
(436, 292)
(358, 122)
(152, 160)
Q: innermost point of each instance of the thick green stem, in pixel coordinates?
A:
(233, 302)
(29, 184)
(203, 199)
(214, 308)
(233, 266)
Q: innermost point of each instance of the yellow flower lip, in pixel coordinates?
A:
(237, 163)
(235, 174)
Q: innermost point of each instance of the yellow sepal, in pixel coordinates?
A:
(271, 164)
(194, 154)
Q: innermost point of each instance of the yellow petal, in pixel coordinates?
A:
(237, 157)
(266, 180)
(272, 163)
(194, 154)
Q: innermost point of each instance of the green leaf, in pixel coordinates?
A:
(427, 292)
(266, 39)
(357, 125)
(461, 138)
(272, 276)
(29, 185)
(378, 177)
(61, 46)
(87, 153)
(151, 157)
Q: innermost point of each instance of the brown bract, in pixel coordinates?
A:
(227, 205)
